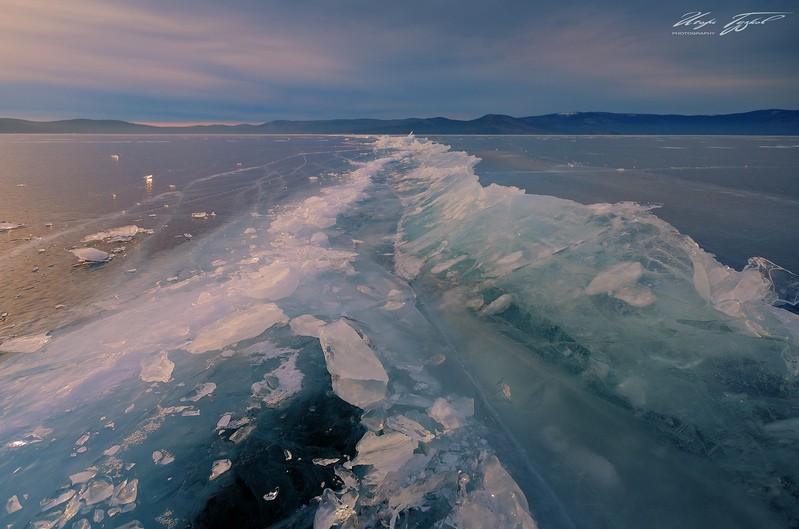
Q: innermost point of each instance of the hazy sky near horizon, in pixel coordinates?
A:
(259, 60)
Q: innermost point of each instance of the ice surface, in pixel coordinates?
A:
(385, 453)
(358, 376)
(499, 503)
(97, 491)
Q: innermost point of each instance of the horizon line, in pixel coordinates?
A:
(230, 123)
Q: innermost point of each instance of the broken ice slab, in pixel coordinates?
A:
(82, 477)
(498, 503)
(202, 215)
(219, 467)
(8, 226)
(200, 390)
(385, 453)
(240, 325)
(120, 234)
(97, 491)
(91, 255)
(162, 457)
(271, 496)
(157, 368)
(306, 325)
(451, 413)
(13, 505)
(25, 344)
(125, 492)
(358, 376)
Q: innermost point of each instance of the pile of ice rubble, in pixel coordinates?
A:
(123, 234)
(415, 459)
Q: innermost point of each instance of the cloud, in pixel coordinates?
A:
(101, 45)
(205, 59)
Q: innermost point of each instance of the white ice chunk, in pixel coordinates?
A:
(97, 491)
(240, 325)
(497, 306)
(13, 504)
(223, 421)
(451, 415)
(271, 496)
(25, 344)
(200, 390)
(82, 477)
(385, 453)
(219, 467)
(91, 255)
(83, 523)
(112, 450)
(323, 462)
(306, 325)
(125, 492)
(498, 503)
(409, 427)
(162, 457)
(332, 512)
(157, 368)
(7, 226)
(121, 234)
(358, 376)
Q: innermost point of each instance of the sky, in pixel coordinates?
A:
(253, 61)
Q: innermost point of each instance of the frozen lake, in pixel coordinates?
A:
(321, 331)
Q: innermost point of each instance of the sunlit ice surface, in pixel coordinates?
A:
(393, 344)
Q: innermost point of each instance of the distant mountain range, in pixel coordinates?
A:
(760, 122)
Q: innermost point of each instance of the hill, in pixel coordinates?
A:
(760, 122)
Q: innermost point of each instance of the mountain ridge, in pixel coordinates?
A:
(775, 122)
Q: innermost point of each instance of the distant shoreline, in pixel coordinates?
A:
(772, 122)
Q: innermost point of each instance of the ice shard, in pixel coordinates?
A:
(357, 374)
